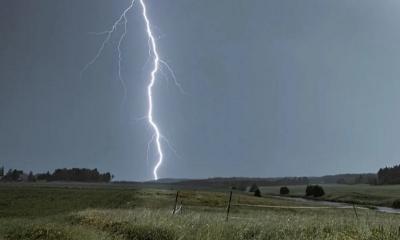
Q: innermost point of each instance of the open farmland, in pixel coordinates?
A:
(360, 193)
(116, 212)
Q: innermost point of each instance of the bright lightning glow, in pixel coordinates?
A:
(158, 65)
(156, 62)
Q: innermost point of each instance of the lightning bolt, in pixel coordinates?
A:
(121, 20)
(157, 63)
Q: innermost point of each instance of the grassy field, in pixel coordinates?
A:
(359, 194)
(128, 212)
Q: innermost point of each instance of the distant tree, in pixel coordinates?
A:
(315, 191)
(389, 175)
(12, 175)
(15, 175)
(31, 177)
(341, 181)
(359, 179)
(309, 190)
(396, 203)
(79, 175)
(43, 176)
(257, 193)
(284, 190)
(74, 175)
(8, 176)
(253, 187)
(106, 177)
(372, 181)
(318, 191)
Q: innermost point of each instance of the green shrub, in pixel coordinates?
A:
(396, 203)
(315, 191)
(257, 193)
(253, 187)
(284, 190)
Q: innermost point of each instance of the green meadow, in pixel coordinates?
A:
(133, 212)
(364, 194)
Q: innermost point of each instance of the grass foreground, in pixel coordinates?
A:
(145, 214)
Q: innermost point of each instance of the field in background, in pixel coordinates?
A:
(131, 212)
(360, 194)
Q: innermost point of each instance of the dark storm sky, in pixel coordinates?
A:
(275, 87)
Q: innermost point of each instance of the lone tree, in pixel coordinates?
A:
(284, 190)
(31, 177)
(253, 187)
(315, 191)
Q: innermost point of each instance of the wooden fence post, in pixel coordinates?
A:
(229, 206)
(176, 201)
(355, 211)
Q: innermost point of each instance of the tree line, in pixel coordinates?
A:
(65, 175)
(389, 175)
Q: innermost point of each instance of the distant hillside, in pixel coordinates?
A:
(241, 183)
(366, 178)
(169, 180)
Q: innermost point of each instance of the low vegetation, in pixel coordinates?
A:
(199, 223)
(257, 193)
(396, 203)
(92, 212)
(362, 194)
(314, 191)
(284, 191)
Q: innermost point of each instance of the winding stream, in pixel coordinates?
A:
(339, 204)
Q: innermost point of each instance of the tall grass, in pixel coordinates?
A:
(280, 224)
(145, 214)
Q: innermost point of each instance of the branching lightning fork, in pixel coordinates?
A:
(157, 63)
